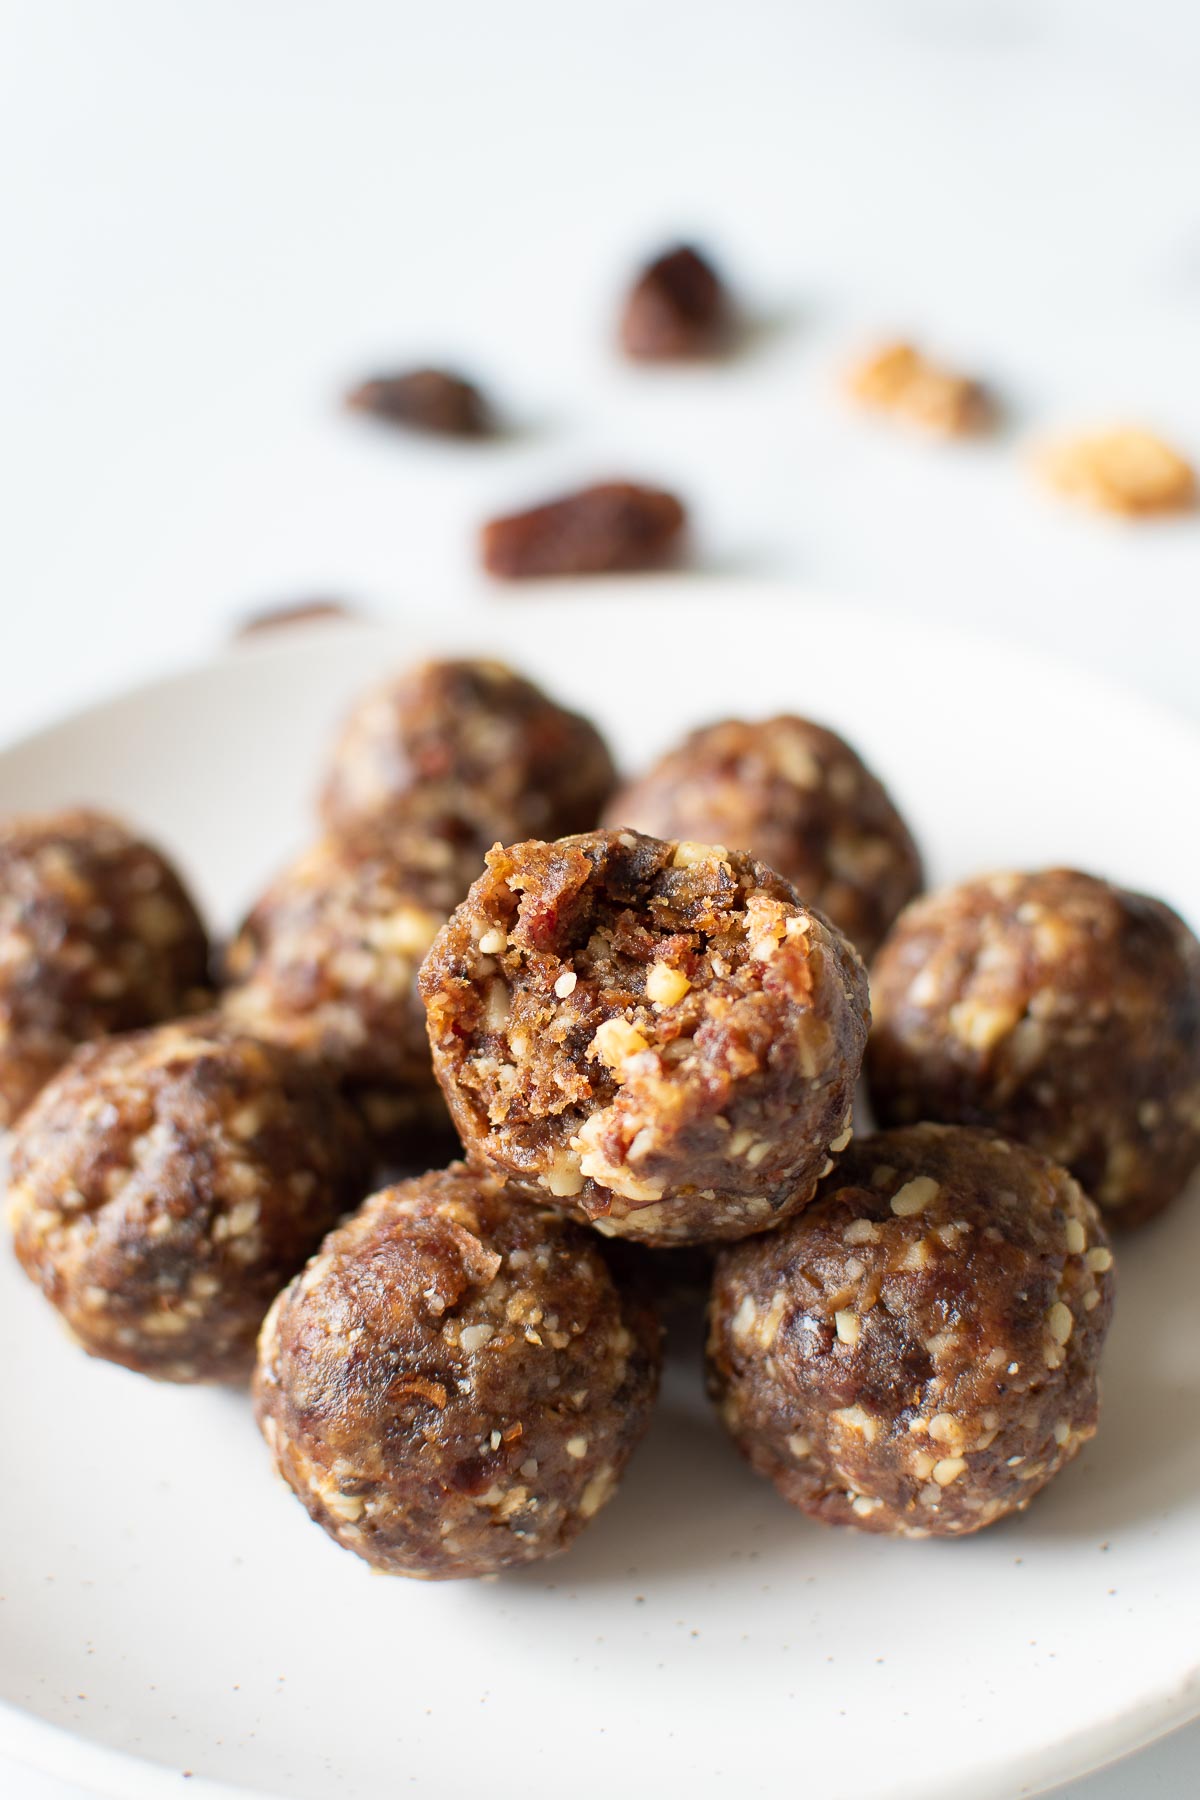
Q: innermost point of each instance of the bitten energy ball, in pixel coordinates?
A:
(477, 742)
(657, 1034)
(1060, 1010)
(796, 796)
(327, 960)
(97, 934)
(917, 1353)
(455, 1384)
(166, 1183)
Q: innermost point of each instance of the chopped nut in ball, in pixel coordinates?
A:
(797, 797)
(1058, 1009)
(900, 380)
(1125, 470)
(677, 308)
(470, 740)
(166, 1183)
(327, 962)
(97, 934)
(612, 528)
(917, 1352)
(454, 1384)
(659, 1035)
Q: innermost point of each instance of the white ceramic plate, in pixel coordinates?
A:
(165, 1598)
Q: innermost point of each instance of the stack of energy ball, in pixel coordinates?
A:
(612, 1018)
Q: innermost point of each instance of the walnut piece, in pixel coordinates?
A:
(898, 379)
(1124, 470)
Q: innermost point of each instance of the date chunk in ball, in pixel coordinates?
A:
(97, 934)
(659, 1035)
(471, 740)
(1059, 1010)
(799, 798)
(327, 961)
(167, 1183)
(454, 1385)
(917, 1353)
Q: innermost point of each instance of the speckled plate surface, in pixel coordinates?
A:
(166, 1606)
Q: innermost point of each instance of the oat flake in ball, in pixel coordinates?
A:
(917, 1352)
(800, 799)
(455, 1383)
(659, 1035)
(165, 1184)
(97, 934)
(471, 739)
(1058, 1009)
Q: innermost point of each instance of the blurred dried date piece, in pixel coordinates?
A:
(898, 379)
(430, 400)
(294, 613)
(1126, 470)
(678, 307)
(613, 527)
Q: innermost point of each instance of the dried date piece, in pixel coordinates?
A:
(613, 527)
(295, 613)
(677, 308)
(431, 400)
(455, 1383)
(898, 379)
(1058, 1009)
(1127, 471)
(917, 1353)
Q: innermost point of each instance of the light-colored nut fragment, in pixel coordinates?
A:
(914, 1196)
(898, 379)
(857, 1418)
(1060, 1322)
(577, 1447)
(563, 1178)
(848, 1326)
(1126, 470)
(861, 1231)
(1076, 1237)
(688, 854)
(474, 1337)
(948, 1469)
(1099, 1259)
(666, 986)
(565, 985)
(615, 1042)
(494, 942)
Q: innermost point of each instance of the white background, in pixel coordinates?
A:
(215, 215)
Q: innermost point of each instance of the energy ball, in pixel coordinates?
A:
(479, 742)
(97, 934)
(799, 798)
(327, 961)
(166, 1184)
(1058, 1009)
(916, 1353)
(454, 1384)
(659, 1035)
